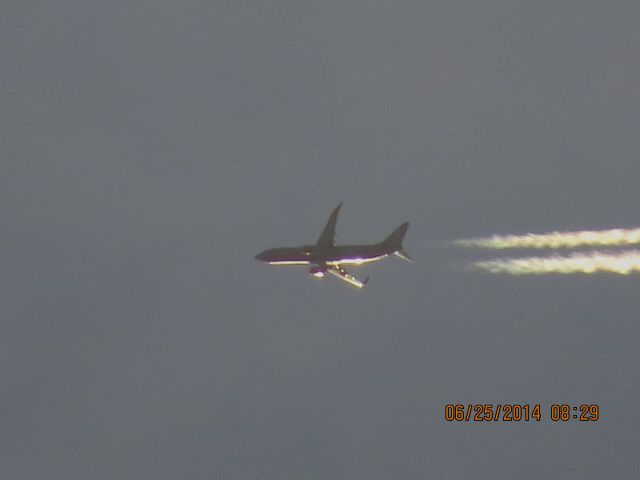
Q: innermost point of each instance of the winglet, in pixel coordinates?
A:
(329, 231)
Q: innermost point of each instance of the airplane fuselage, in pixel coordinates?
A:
(334, 255)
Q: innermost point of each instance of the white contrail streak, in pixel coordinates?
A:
(622, 263)
(594, 238)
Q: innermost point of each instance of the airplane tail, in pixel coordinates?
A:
(395, 241)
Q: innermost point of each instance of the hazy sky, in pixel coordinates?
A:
(151, 148)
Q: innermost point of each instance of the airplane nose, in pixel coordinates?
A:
(259, 256)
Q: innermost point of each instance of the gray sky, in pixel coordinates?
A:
(151, 149)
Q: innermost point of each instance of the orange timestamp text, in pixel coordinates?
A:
(515, 412)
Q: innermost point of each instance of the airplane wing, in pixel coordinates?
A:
(326, 237)
(342, 274)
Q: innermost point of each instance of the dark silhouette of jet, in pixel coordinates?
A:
(325, 257)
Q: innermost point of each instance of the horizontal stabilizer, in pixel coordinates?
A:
(404, 255)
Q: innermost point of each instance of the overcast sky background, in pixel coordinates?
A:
(151, 148)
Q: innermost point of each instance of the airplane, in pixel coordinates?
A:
(325, 257)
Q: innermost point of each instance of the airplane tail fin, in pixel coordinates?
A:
(395, 241)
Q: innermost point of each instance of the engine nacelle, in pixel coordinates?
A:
(317, 272)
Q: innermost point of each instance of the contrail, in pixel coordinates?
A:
(622, 263)
(594, 238)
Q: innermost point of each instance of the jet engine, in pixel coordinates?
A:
(317, 272)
